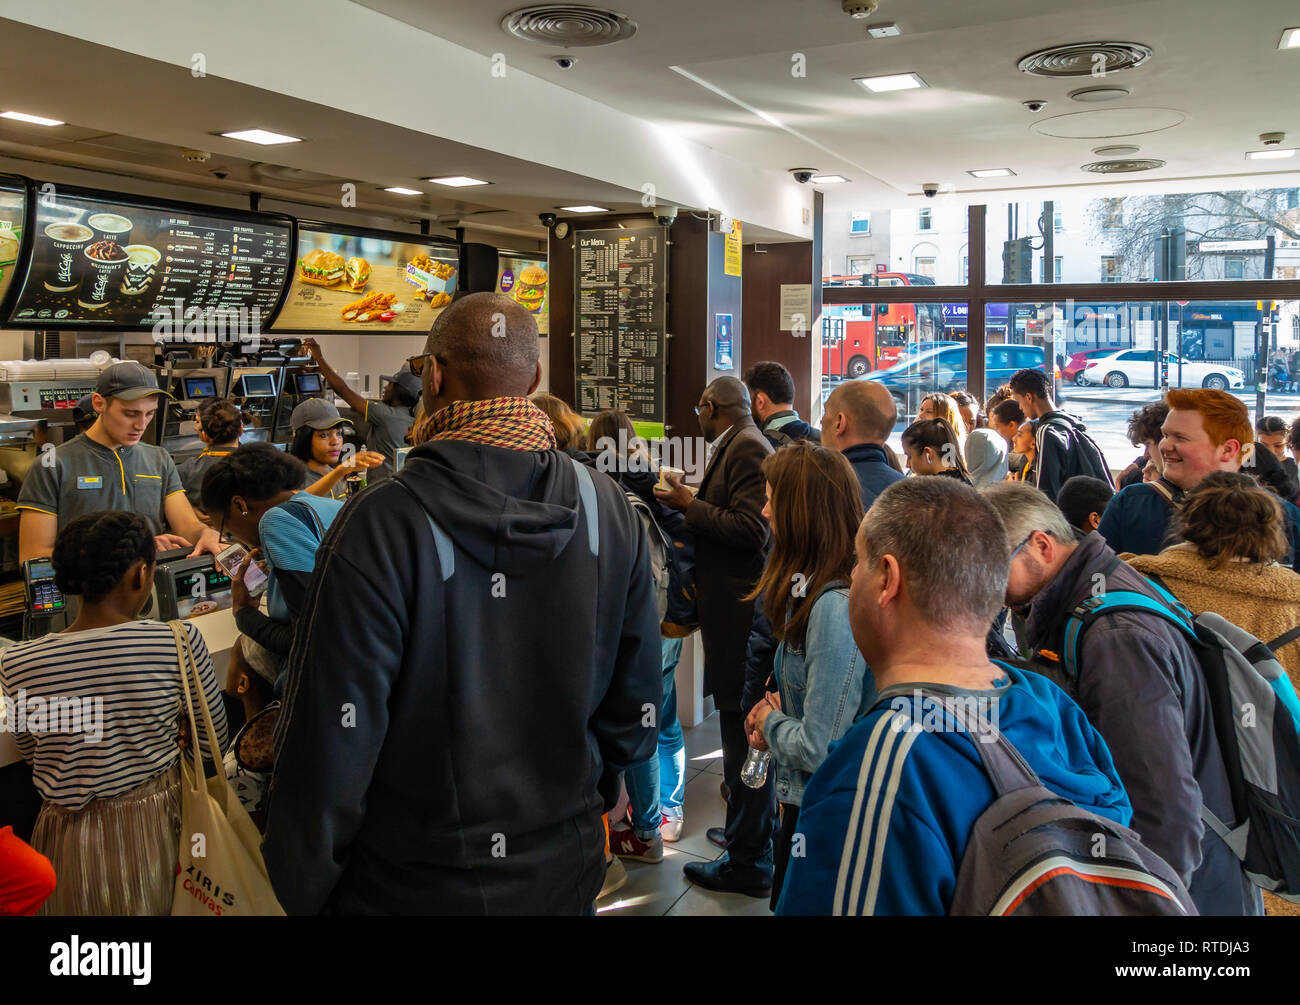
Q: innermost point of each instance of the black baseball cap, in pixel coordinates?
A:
(84, 409)
(407, 381)
(129, 381)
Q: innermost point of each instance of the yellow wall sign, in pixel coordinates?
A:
(731, 256)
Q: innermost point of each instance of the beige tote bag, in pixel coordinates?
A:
(220, 872)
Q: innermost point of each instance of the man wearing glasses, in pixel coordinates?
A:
(1139, 683)
(726, 517)
(479, 658)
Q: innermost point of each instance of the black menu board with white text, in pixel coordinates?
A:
(98, 260)
(620, 308)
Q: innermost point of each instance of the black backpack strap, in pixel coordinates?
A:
(304, 514)
(1286, 638)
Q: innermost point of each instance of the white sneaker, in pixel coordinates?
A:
(671, 829)
(615, 877)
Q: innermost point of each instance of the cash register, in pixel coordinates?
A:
(185, 587)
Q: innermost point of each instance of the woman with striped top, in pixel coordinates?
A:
(96, 709)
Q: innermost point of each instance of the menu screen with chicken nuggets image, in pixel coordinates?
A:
(345, 282)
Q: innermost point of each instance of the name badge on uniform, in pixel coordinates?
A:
(90, 482)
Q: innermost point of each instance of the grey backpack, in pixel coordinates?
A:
(1033, 853)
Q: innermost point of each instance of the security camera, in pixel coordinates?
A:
(931, 189)
(1034, 105)
(547, 219)
(665, 215)
(564, 62)
(223, 175)
(803, 175)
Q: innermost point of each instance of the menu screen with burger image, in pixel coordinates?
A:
(12, 213)
(99, 262)
(524, 280)
(362, 281)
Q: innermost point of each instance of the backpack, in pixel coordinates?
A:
(1082, 455)
(1256, 716)
(672, 564)
(1033, 853)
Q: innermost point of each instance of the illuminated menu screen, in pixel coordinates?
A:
(12, 213)
(621, 311)
(96, 262)
(525, 281)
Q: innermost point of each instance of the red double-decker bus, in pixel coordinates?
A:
(859, 339)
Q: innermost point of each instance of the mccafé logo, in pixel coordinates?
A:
(65, 268)
(202, 889)
(101, 286)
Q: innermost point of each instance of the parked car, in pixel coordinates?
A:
(945, 370)
(1074, 366)
(1136, 368)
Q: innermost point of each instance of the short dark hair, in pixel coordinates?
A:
(1082, 496)
(1293, 437)
(220, 420)
(255, 471)
(1008, 411)
(1268, 424)
(1146, 423)
(772, 379)
(94, 552)
(1032, 381)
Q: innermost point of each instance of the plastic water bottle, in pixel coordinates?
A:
(754, 773)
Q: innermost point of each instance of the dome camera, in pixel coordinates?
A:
(931, 189)
(803, 175)
(1034, 105)
(665, 215)
(564, 62)
(547, 219)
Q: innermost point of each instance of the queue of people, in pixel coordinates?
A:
(460, 669)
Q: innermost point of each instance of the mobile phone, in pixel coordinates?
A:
(231, 558)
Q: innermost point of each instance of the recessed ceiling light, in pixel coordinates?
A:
(883, 30)
(457, 181)
(403, 191)
(584, 209)
(1091, 95)
(828, 179)
(1275, 153)
(991, 173)
(35, 120)
(262, 136)
(1116, 150)
(892, 82)
(1290, 39)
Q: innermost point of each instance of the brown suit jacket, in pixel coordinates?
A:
(731, 537)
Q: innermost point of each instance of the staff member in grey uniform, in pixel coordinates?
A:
(219, 425)
(317, 441)
(108, 468)
(388, 419)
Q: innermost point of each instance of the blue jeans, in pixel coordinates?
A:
(657, 786)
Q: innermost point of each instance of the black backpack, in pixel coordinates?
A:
(1082, 455)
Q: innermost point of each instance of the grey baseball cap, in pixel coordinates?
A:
(84, 409)
(128, 380)
(407, 381)
(317, 413)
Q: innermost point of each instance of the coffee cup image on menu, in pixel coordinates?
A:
(64, 262)
(141, 268)
(105, 261)
(111, 227)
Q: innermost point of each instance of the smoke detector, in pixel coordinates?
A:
(1123, 166)
(1117, 150)
(1271, 139)
(1085, 59)
(859, 8)
(568, 25)
(195, 156)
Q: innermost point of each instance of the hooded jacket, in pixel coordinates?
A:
(457, 710)
(1141, 686)
(1064, 450)
(892, 807)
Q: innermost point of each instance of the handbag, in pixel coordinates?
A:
(220, 872)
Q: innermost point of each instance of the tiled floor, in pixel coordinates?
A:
(661, 888)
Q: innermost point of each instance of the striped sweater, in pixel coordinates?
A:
(98, 712)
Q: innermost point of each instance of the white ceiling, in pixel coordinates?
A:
(1215, 63)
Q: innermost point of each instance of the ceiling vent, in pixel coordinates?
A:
(1123, 166)
(1085, 59)
(568, 25)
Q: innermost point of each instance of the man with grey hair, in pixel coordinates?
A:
(477, 659)
(880, 835)
(857, 420)
(1138, 681)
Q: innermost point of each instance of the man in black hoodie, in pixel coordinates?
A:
(478, 658)
(1063, 447)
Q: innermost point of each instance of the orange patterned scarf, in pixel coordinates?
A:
(512, 423)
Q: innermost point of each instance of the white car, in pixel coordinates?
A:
(1136, 368)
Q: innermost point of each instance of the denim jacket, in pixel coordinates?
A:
(824, 688)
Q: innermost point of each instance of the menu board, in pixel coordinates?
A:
(525, 281)
(620, 308)
(96, 260)
(13, 210)
(367, 282)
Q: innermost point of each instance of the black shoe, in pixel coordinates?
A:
(726, 877)
(717, 836)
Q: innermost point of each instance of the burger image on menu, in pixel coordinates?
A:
(322, 268)
(356, 273)
(530, 291)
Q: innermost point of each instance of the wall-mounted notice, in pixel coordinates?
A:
(796, 308)
(620, 316)
(731, 257)
(722, 342)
